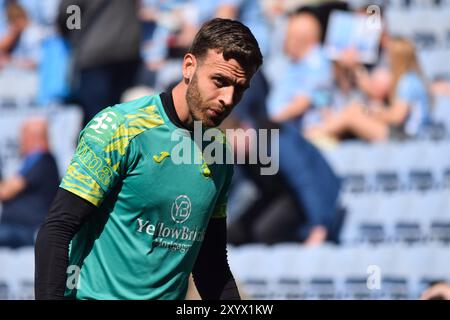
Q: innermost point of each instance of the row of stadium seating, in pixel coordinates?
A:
(411, 218)
(328, 272)
(17, 274)
(294, 272)
(391, 181)
(18, 88)
(393, 166)
(407, 4)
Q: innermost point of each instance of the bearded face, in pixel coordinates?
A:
(216, 86)
(209, 113)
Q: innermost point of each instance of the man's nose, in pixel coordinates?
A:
(227, 96)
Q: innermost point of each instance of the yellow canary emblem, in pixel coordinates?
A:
(205, 171)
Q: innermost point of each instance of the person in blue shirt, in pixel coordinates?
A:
(27, 195)
(251, 13)
(306, 75)
(301, 203)
(404, 116)
(168, 29)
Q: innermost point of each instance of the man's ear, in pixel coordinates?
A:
(189, 66)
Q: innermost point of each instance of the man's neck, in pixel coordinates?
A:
(181, 107)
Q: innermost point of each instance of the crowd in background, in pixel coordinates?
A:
(125, 49)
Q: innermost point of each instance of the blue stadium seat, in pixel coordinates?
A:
(422, 180)
(18, 87)
(322, 288)
(355, 183)
(23, 268)
(395, 288)
(256, 288)
(291, 288)
(446, 178)
(440, 231)
(425, 40)
(373, 233)
(387, 181)
(5, 274)
(441, 111)
(356, 288)
(409, 232)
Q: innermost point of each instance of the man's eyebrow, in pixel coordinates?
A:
(221, 75)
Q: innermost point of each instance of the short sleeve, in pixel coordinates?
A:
(314, 77)
(30, 170)
(42, 169)
(97, 164)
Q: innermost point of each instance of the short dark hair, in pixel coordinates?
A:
(229, 37)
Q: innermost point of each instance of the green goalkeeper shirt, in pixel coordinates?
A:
(152, 213)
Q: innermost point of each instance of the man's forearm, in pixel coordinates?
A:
(65, 218)
(51, 260)
(212, 274)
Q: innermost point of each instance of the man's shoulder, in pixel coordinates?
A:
(125, 120)
(133, 106)
(146, 108)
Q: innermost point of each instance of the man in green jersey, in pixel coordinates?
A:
(129, 220)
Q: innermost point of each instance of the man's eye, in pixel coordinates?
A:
(219, 83)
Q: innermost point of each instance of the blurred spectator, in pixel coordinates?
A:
(253, 104)
(316, 186)
(297, 204)
(273, 217)
(54, 71)
(20, 46)
(439, 291)
(27, 195)
(300, 202)
(168, 30)
(105, 51)
(345, 89)
(54, 52)
(307, 75)
(250, 13)
(41, 12)
(159, 20)
(364, 74)
(405, 115)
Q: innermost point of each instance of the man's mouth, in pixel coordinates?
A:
(215, 113)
